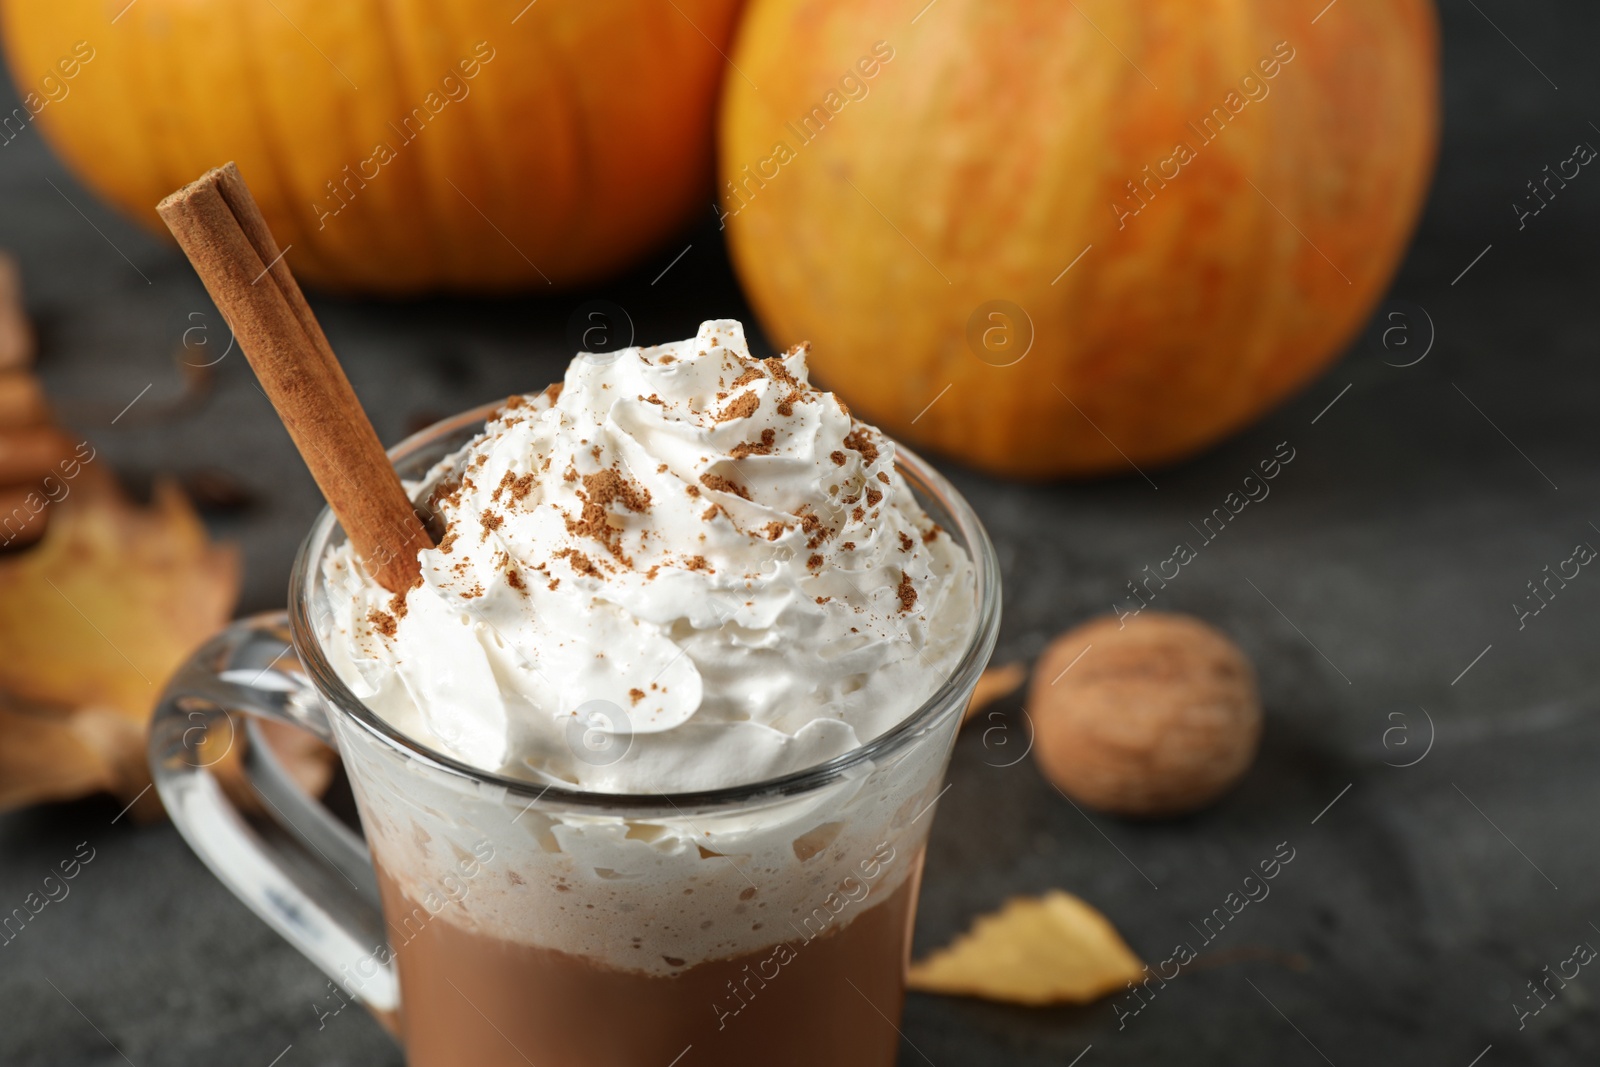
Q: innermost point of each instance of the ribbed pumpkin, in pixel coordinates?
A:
(1187, 206)
(397, 146)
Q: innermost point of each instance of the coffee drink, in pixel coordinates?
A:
(826, 994)
(671, 597)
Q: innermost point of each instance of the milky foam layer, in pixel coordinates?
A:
(656, 893)
(682, 568)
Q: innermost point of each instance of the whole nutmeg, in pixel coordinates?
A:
(1159, 716)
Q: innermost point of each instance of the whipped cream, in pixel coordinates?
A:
(681, 568)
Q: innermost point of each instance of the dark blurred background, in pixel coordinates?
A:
(1374, 589)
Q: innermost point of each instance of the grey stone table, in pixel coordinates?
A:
(1375, 582)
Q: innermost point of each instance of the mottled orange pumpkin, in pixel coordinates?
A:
(1174, 212)
(397, 146)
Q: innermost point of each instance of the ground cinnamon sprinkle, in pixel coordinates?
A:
(859, 440)
(749, 374)
(814, 562)
(553, 583)
(837, 457)
(654, 398)
(751, 449)
(744, 405)
(873, 496)
(446, 492)
(710, 513)
(724, 485)
(795, 394)
(815, 531)
(790, 399)
(490, 521)
(858, 514)
(579, 562)
(514, 579)
(906, 542)
(608, 486)
(448, 542)
(780, 371)
(697, 563)
(505, 483)
(849, 546)
(553, 392)
(636, 695)
(397, 603)
(601, 490)
(521, 487)
(882, 477)
(823, 599)
(931, 532)
(775, 530)
(906, 593)
(382, 622)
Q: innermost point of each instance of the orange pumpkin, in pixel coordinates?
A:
(1055, 238)
(397, 146)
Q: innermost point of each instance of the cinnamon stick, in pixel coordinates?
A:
(221, 230)
(16, 334)
(21, 400)
(22, 516)
(29, 453)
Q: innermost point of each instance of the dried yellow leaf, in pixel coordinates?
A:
(111, 601)
(993, 684)
(92, 621)
(48, 756)
(1035, 950)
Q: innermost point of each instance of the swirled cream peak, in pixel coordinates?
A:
(680, 568)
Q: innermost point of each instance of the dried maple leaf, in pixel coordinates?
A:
(48, 756)
(1035, 950)
(993, 684)
(92, 621)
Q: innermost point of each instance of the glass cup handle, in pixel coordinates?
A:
(304, 872)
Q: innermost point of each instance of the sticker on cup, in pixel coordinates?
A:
(1000, 333)
(203, 747)
(599, 330)
(599, 733)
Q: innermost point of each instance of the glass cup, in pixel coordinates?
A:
(490, 920)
